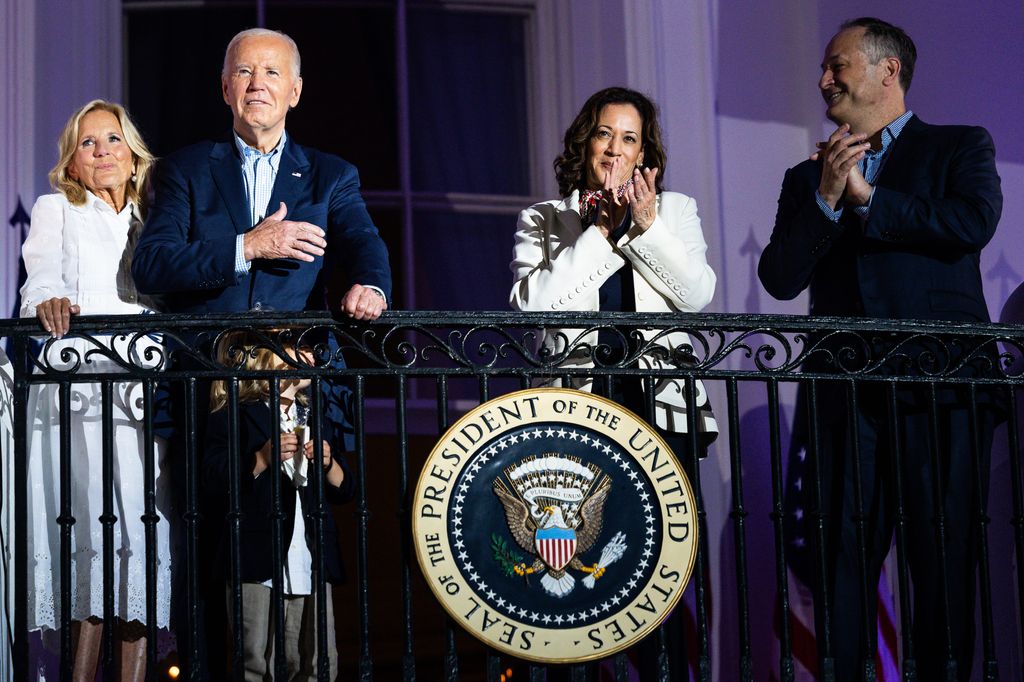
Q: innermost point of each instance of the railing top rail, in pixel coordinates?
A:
(447, 319)
(507, 343)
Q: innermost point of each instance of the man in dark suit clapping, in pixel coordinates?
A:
(888, 220)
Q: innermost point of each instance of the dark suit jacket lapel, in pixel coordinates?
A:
(227, 175)
(902, 159)
(292, 178)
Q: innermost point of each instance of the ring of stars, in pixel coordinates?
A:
(583, 616)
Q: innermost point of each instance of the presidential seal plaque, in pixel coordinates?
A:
(554, 525)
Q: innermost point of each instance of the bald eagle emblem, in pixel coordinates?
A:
(554, 507)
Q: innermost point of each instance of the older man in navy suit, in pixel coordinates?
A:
(246, 222)
(888, 220)
(256, 221)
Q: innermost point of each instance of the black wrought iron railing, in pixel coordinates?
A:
(780, 386)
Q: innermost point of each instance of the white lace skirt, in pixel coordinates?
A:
(86, 475)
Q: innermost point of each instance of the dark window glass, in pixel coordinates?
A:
(467, 91)
(389, 222)
(348, 104)
(348, 99)
(467, 268)
(173, 82)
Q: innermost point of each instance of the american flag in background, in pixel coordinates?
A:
(801, 578)
(684, 672)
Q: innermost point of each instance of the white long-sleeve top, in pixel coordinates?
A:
(83, 253)
(557, 264)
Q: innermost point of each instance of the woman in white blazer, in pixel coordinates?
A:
(616, 241)
(78, 261)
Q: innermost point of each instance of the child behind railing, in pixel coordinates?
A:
(256, 430)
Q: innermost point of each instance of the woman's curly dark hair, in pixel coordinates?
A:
(570, 170)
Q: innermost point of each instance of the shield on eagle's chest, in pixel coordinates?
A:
(556, 546)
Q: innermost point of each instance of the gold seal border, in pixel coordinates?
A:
(431, 540)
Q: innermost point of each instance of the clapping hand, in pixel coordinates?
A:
(841, 179)
(641, 196)
(610, 210)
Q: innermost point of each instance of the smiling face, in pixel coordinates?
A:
(260, 85)
(618, 134)
(102, 161)
(854, 89)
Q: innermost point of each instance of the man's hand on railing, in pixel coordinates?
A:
(363, 303)
(55, 315)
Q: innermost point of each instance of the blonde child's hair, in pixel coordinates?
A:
(255, 356)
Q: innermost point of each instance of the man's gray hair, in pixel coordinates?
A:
(263, 33)
(882, 40)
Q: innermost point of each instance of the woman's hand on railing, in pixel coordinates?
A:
(55, 315)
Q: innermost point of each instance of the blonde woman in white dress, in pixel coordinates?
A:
(77, 259)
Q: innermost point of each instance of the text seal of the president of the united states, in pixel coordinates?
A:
(555, 525)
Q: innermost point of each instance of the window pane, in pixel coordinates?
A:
(467, 87)
(389, 223)
(174, 91)
(463, 260)
(348, 104)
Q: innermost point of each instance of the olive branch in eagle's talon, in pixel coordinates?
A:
(510, 562)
